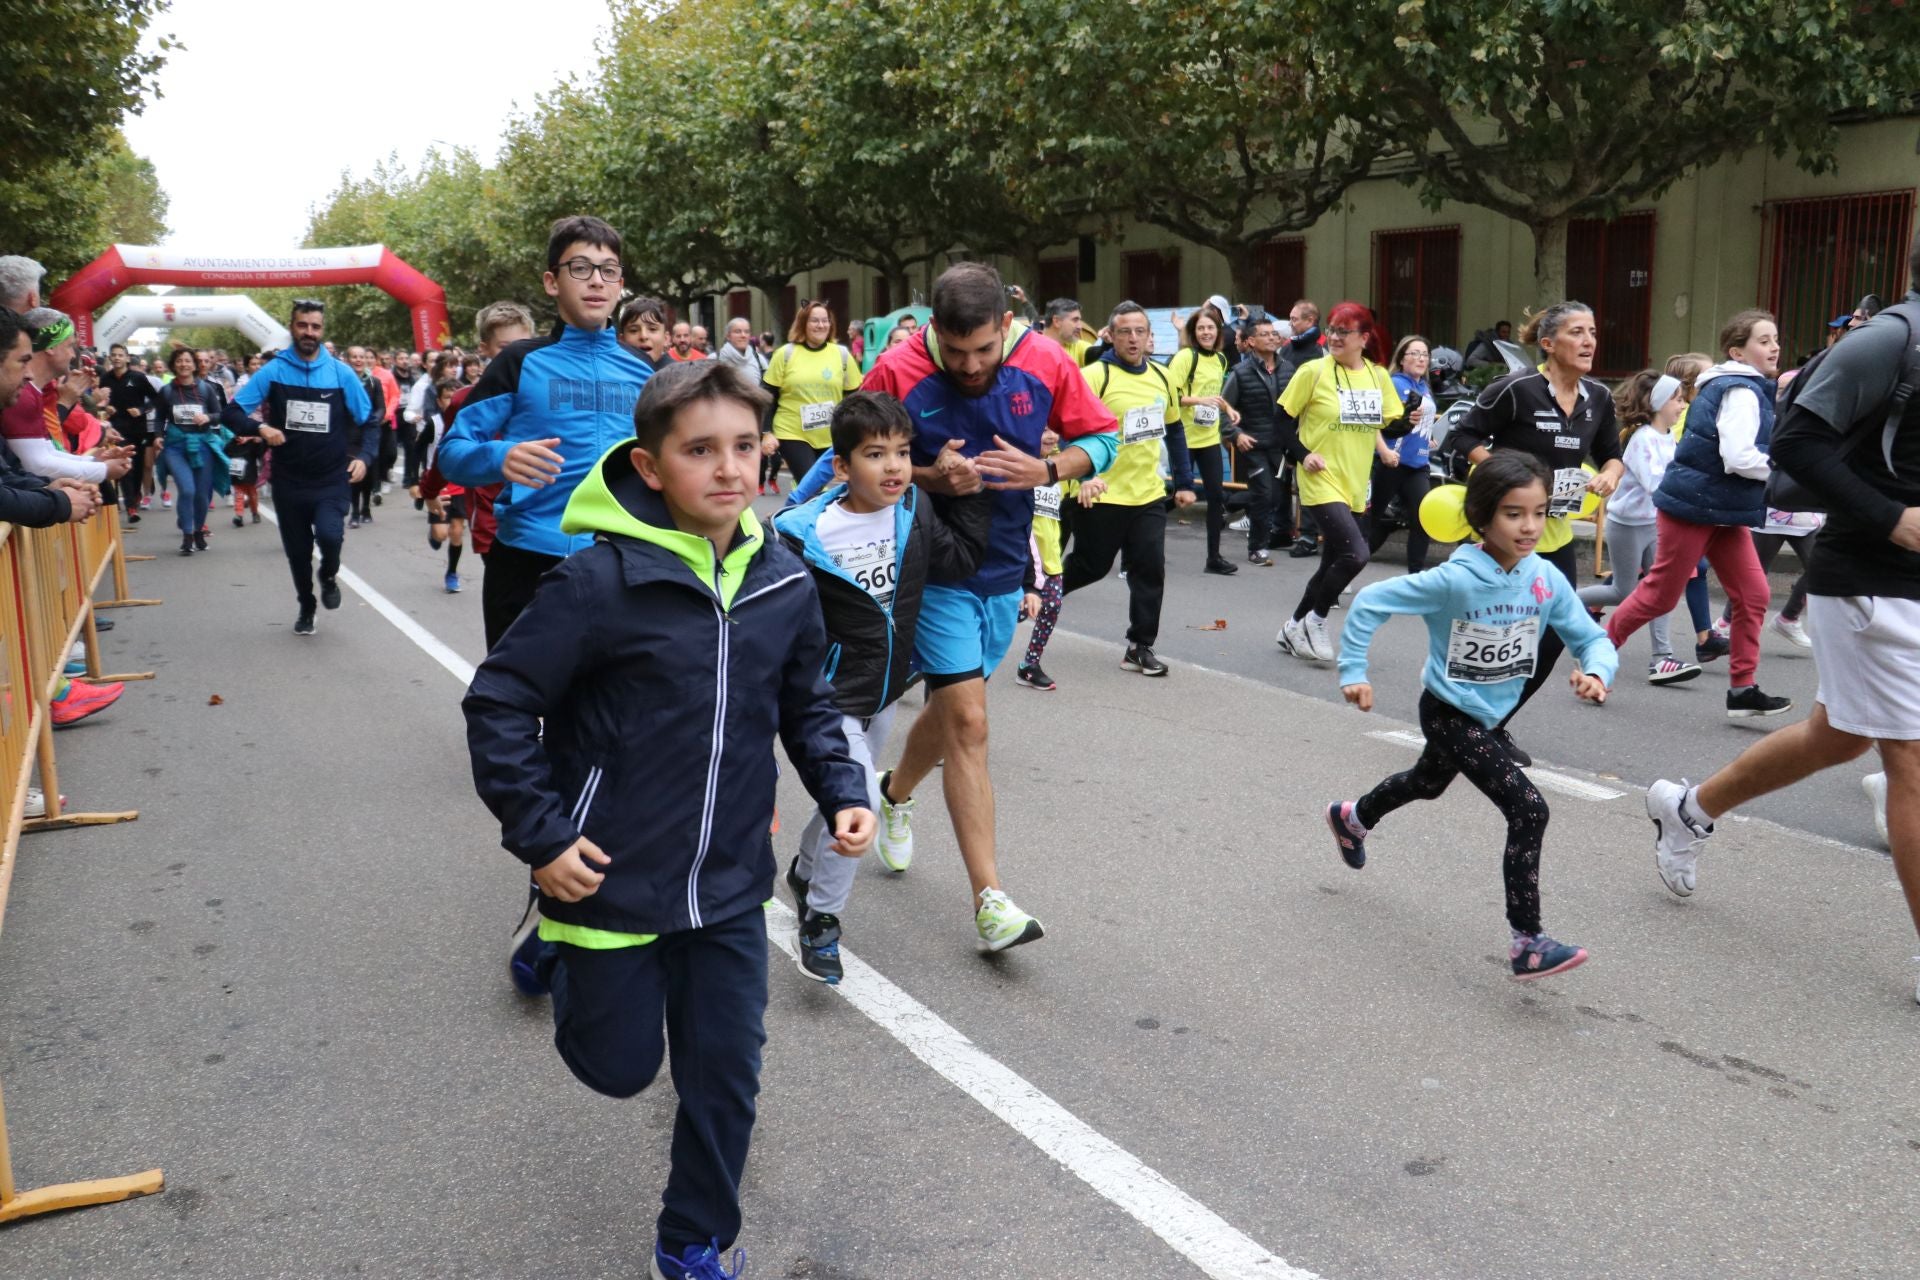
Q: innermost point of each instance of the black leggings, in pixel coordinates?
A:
(1458, 744)
(799, 457)
(1551, 645)
(1211, 464)
(1343, 554)
(1409, 485)
(1767, 547)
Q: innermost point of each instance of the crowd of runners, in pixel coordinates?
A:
(650, 635)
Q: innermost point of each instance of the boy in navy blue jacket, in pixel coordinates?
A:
(664, 658)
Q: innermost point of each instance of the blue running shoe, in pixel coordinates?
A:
(1538, 956)
(453, 584)
(75, 669)
(1348, 834)
(529, 976)
(697, 1262)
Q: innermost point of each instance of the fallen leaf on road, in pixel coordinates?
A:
(215, 700)
(1219, 624)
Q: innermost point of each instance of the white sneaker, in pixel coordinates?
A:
(1676, 842)
(895, 843)
(1792, 630)
(36, 803)
(1293, 638)
(1318, 639)
(1241, 525)
(1875, 785)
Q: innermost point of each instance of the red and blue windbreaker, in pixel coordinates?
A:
(1038, 386)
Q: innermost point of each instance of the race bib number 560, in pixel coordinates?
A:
(1483, 653)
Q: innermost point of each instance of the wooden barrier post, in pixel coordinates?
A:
(121, 598)
(25, 721)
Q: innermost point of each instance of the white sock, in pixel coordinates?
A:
(1320, 618)
(1691, 811)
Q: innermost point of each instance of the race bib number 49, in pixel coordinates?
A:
(1484, 653)
(307, 415)
(1144, 424)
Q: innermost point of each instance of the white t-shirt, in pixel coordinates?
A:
(862, 547)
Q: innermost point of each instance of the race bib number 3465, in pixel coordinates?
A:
(1491, 653)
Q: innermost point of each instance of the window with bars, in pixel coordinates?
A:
(1417, 283)
(1610, 268)
(1280, 275)
(1825, 254)
(1153, 277)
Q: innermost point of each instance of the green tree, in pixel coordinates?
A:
(1208, 120)
(73, 69)
(71, 209)
(1565, 109)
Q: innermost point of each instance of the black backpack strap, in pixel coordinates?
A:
(1906, 382)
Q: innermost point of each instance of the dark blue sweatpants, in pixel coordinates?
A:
(707, 989)
(309, 516)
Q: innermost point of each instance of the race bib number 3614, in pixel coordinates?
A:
(1492, 653)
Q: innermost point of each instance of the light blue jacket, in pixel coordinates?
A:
(1472, 587)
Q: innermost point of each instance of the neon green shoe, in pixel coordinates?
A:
(895, 843)
(1003, 925)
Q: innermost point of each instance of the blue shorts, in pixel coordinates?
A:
(962, 636)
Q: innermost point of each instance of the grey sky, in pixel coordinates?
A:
(268, 104)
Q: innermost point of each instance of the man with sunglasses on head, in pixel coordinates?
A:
(311, 404)
(542, 415)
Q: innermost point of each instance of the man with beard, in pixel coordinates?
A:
(312, 402)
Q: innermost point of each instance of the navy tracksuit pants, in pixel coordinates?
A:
(310, 516)
(706, 989)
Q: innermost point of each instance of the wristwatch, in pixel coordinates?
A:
(1053, 472)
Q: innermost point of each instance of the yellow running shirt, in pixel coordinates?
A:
(1340, 412)
(811, 382)
(1145, 405)
(1194, 375)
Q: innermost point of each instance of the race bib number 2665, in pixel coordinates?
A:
(1492, 653)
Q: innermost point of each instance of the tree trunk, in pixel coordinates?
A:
(1243, 271)
(899, 288)
(1550, 261)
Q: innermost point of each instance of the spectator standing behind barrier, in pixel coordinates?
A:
(31, 424)
(25, 499)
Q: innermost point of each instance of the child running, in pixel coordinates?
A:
(664, 658)
(872, 542)
(446, 503)
(1484, 610)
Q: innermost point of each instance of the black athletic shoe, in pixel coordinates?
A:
(1140, 658)
(377, 503)
(819, 956)
(1221, 565)
(1520, 757)
(238, 522)
(329, 593)
(1262, 557)
(186, 544)
(200, 540)
(797, 886)
(1035, 677)
(1750, 702)
(1304, 549)
(133, 517)
(303, 625)
(353, 521)
(1714, 646)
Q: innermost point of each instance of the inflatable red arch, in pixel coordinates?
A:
(124, 265)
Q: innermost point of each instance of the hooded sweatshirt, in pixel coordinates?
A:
(1483, 627)
(320, 405)
(663, 668)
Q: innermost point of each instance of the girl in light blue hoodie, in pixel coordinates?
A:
(1484, 610)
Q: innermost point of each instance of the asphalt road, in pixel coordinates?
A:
(285, 985)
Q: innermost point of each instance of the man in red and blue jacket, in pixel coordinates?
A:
(984, 392)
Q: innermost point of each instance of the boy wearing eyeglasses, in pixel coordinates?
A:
(543, 413)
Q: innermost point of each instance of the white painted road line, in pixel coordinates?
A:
(1194, 1231)
(1545, 779)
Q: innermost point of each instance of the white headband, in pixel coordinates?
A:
(1665, 388)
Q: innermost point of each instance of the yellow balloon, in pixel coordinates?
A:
(1443, 514)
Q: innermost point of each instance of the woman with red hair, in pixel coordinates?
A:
(1332, 415)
